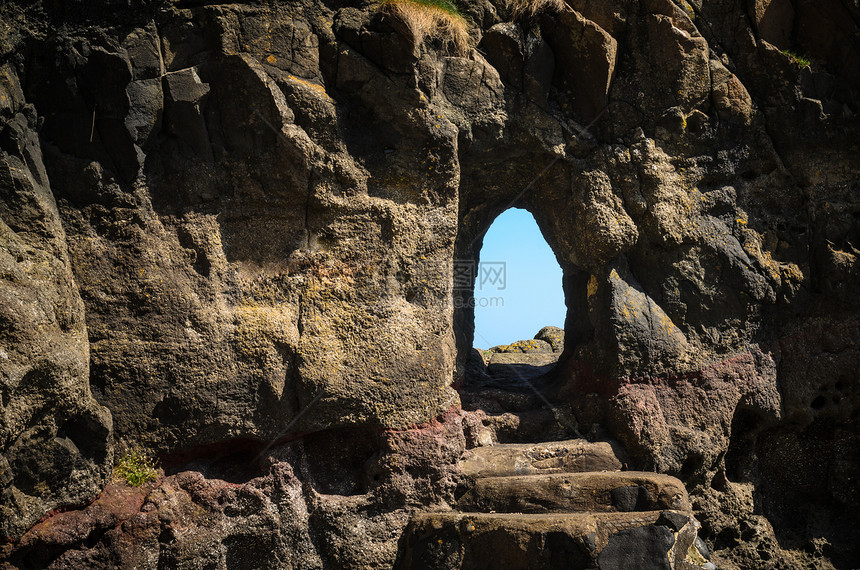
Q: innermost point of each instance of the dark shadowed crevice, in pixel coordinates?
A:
(807, 486)
(741, 457)
(339, 462)
(234, 461)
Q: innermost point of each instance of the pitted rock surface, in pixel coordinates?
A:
(225, 226)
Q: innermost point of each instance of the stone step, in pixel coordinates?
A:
(569, 456)
(609, 541)
(541, 424)
(496, 400)
(621, 491)
(517, 369)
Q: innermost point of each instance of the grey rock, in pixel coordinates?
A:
(585, 54)
(642, 547)
(144, 52)
(458, 540)
(623, 491)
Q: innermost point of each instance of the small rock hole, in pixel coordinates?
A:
(727, 538)
(819, 403)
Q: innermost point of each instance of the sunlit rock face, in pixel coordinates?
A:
(55, 438)
(225, 225)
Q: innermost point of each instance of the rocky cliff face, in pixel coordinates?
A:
(230, 224)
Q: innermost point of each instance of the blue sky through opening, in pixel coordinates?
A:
(514, 303)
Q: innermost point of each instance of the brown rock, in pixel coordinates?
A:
(549, 457)
(576, 492)
(729, 96)
(469, 540)
(774, 20)
(55, 439)
(265, 250)
(585, 63)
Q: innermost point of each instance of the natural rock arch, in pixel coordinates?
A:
(518, 282)
(471, 230)
(215, 266)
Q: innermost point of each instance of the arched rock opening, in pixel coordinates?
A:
(475, 220)
(518, 286)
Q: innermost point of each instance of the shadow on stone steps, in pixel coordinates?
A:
(653, 540)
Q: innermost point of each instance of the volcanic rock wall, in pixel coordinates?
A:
(226, 224)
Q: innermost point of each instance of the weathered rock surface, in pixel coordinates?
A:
(554, 336)
(605, 540)
(307, 504)
(549, 457)
(224, 224)
(573, 492)
(555, 516)
(55, 439)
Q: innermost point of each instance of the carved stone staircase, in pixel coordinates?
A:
(559, 504)
(556, 504)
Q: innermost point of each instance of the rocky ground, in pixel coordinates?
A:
(228, 234)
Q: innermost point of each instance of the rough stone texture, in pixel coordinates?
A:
(225, 284)
(585, 56)
(579, 541)
(527, 346)
(567, 492)
(55, 439)
(330, 501)
(774, 21)
(554, 336)
(260, 204)
(504, 520)
(520, 459)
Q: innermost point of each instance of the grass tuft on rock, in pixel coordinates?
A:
(528, 8)
(435, 19)
(136, 467)
(800, 60)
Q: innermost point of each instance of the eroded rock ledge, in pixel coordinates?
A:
(227, 224)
